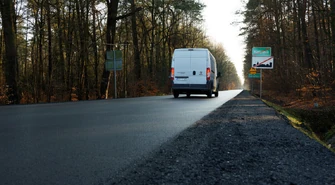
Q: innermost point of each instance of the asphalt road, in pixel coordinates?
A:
(90, 141)
(243, 142)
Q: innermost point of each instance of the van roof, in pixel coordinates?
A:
(191, 49)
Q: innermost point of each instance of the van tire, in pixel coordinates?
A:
(216, 94)
(209, 94)
(175, 94)
(188, 95)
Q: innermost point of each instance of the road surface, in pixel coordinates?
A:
(240, 143)
(88, 142)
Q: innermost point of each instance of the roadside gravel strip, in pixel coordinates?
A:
(242, 142)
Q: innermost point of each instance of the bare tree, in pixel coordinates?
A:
(11, 64)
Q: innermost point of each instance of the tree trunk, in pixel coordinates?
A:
(69, 51)
(8, 24)
(307, 47)
(61, 61)
(316, 35)
(82, 35)
(137, 59)
(332, 7)
(164, 68)
(40, 64)
(86, 50)
(50, 57)
(112, 6)
(153, 23)
(95, 51)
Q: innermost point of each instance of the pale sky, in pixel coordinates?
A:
(219, 16)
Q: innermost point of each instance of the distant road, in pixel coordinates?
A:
(88, 142)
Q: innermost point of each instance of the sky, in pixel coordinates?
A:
(219, 16)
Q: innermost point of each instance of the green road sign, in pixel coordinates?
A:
(261, 51)
(257, 75)
(118, 55)
(112, 57)
(109, 65)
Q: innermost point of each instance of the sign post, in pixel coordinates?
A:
(260, 91)
(261, 59)
(114, 62)
(115, 92)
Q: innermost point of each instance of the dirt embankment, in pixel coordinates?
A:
(242, 142)
(315, 116)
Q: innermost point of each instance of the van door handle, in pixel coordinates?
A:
(194, 72)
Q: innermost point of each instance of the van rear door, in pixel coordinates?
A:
(199, 60)
(182, 66)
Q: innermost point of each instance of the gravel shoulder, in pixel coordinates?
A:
(242, 142)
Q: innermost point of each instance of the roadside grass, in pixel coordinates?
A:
(316, 124)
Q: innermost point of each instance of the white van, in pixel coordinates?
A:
(193, 71)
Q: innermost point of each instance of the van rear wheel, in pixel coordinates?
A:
(175, 94)
(209, 94)
(216, 93)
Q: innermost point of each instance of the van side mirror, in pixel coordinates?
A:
(219, 75)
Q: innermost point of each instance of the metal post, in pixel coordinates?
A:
(252, 85)
(114, 62)
(260, 91)
(125, 70)
(115, 95)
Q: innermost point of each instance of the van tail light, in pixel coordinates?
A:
(172, 74)
(208, 73)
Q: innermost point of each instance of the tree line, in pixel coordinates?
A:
(301, 34)
(55, 50)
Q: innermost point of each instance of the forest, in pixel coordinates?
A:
(301, 85)
(56, 50)
(302, 38)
